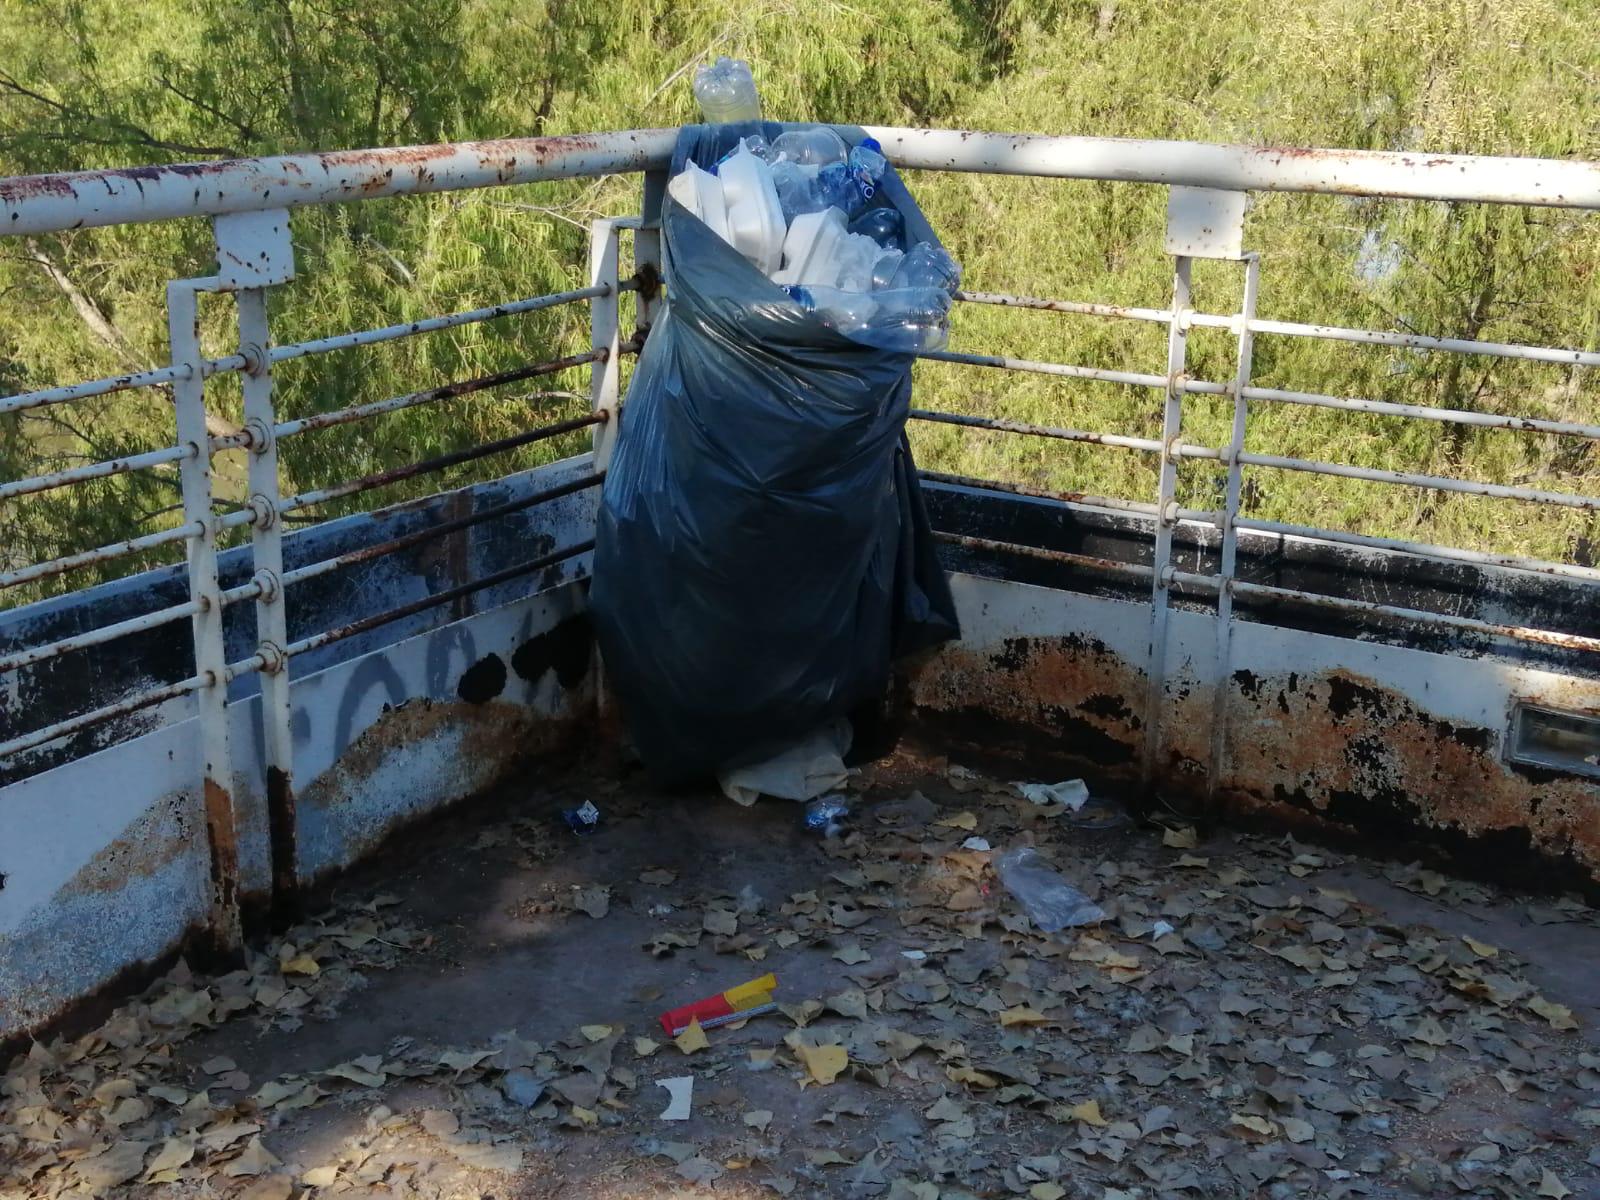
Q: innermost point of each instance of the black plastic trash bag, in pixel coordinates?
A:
(762, 551)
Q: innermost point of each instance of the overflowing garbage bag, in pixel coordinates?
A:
(762, 552)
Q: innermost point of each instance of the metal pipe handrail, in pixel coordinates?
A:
(317, 640)
(446, 391)
(378, 479)
(100, 470)
(60, 729)
(290, 351)
(95, 637)
(110, 553)
(430, 532)
(1561, 356)
(1557, 183)
(157, 377)
(37, 204)
(1548, 637)
(1442, 483)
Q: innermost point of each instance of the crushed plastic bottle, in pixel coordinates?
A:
(827, 815)
(883, 225)
(1050, 901)
(910, 320)
(754, 143)
(726, 91)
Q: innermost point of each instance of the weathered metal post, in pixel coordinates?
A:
(254, 253)
(604, 335)
(1216, 770)
(216, 762)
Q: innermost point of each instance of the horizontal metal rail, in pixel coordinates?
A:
(1448, 554)
(1410, 341)
(437, 598)
(158, 377)
(110, 553)
(1557, 183)
(71, 725)
(447, 391)
(1035, 367)
(100, 470)
(1138, 508)
(1567, 641)
(407, 541)
(1002, 425)
(85, 199)
(1109, 565)
(367, 483)
(1440, 483)
(49, 203)
(372, 337)
(95, 637)
(1451, 416)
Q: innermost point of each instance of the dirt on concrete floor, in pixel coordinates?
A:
(477, 1015)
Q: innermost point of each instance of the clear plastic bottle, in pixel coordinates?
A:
(906, 320)
(726, 91)
(883, 225)
(928, 265)
(813, 146)
(1051, 902)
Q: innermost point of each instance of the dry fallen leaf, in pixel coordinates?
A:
(692, 1038)
(644, 1047)
(269, 1187)
(1481, 949)
(320, 1177)
(174, 1153)
(301, 964)
(255, 1160)
(1022, 1015)
(962, 820)
(822, 1063)
(597, 1033)
(1180, 839)
(1088, 1112)
(1559, 1015)
(758, 1119)
(851, 955)
(1550, 1185)
(1047, 1191)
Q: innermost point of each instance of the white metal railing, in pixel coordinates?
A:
(249, 201)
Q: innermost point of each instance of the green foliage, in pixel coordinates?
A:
(91, 83)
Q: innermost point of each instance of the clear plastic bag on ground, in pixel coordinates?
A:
(1051, 903)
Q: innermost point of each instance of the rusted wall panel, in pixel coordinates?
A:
(1400, 747)
(104, 858)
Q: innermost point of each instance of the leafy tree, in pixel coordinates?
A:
(91, 83)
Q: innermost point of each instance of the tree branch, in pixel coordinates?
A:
(131, 132)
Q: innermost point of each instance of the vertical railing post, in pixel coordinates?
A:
(647, 248)
(254, 253)
(1166, 514)
(1230, 531)
(604, 373)
(272, 622)
(210, 660)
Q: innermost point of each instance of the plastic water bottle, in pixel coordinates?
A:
(726, 91)
(883, 225)
(1050, 901)
(927, 265)
(814, 146)
(906, 320)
